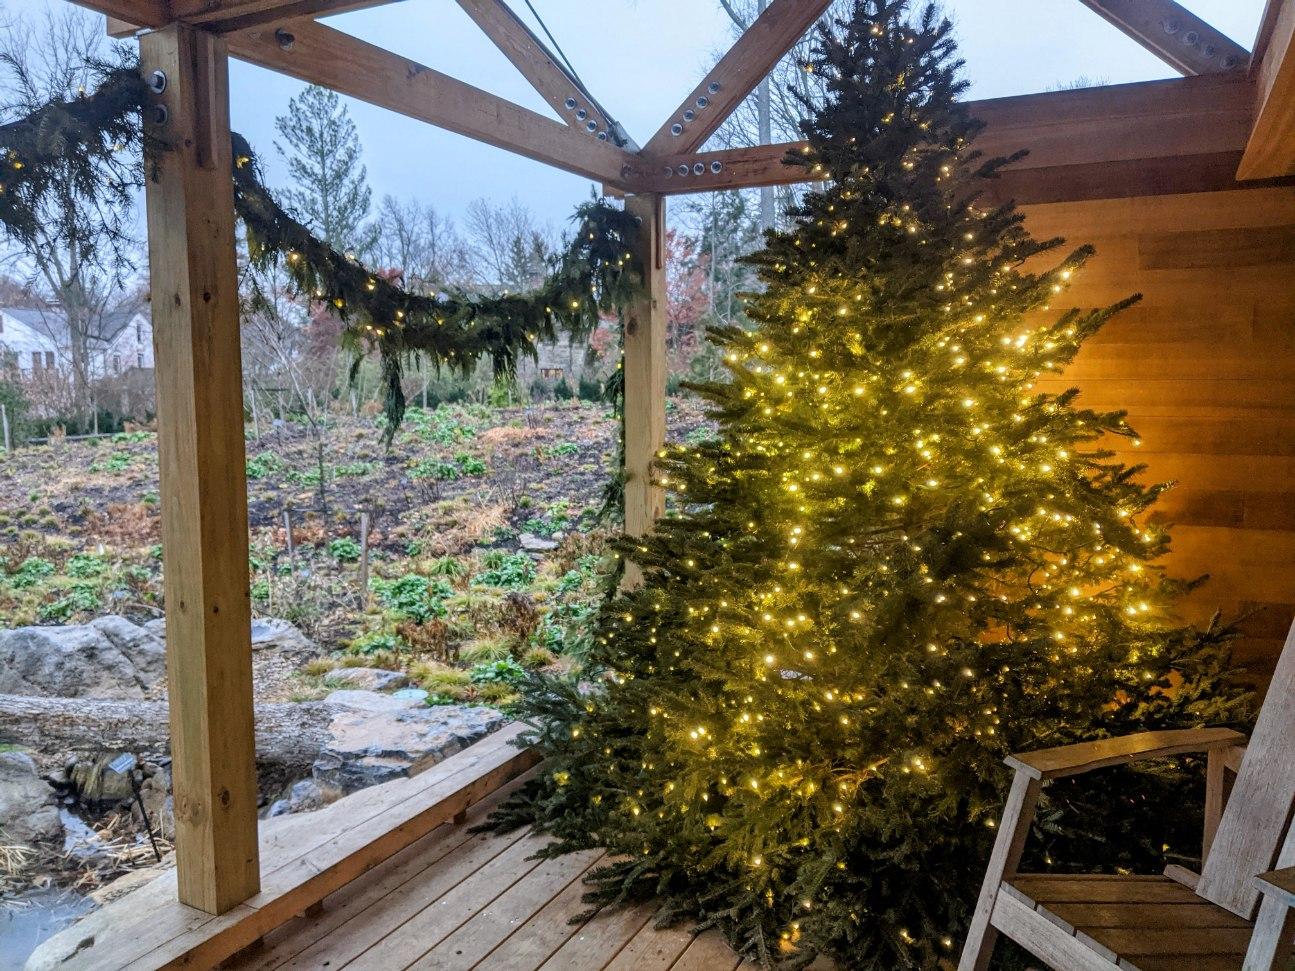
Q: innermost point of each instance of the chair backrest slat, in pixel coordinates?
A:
(1259, 808)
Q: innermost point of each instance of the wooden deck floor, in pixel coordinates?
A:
(456, 901)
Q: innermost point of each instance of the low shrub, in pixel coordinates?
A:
(30, 572)
(344, 549)
(413, 597)
(503, 671)
(508, 571)
(264, 465)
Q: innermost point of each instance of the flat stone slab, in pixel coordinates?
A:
(370, 746)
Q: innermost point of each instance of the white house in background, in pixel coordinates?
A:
(35, 340)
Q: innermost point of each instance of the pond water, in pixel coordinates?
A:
(28, 919)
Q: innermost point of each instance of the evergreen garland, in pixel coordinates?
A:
(83, 146)
(97, 136)
(896, 564)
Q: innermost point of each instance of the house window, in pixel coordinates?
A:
(49, 360)
(116, 364)
(35, 360)
(551, 373)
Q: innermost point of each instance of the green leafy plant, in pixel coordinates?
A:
(85, 566)
(30, 572)
(116, 462)
(561, 448)
(353, 469)
(374, 642)
(264, 465)
(434, 469)
(309, 477)
(344, 549)
(504, 671)
(444, 426)
(555, 519)
(413, 597)
(509, 571)
(470, 464)
(82, 598)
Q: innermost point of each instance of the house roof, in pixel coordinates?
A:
(52, 322)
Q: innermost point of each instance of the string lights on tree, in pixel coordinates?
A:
(896, 563)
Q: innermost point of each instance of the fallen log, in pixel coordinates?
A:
(289, 735)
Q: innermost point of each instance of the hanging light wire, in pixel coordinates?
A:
(565, 65)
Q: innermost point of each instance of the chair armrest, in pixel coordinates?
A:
(1054, 763)
(1279, 884)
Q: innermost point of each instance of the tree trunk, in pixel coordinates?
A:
(288, 736)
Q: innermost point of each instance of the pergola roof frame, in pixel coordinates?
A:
(281, 35)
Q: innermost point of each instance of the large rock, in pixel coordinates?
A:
(28, 805)
(272, 634)
(107, 658)
(268, 634)
(375, 741)
(536, 544)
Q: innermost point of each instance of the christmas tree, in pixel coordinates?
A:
(894, 565)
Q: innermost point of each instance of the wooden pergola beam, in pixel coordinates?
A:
(745, 65)
(321, 55)
(1174, 34)
(1270, 151)
(1183, 134)
(528, 54)
(127, 16)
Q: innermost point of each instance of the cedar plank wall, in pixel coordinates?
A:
(1205, 366)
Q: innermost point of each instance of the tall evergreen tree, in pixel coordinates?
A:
(330, 184)
(895, 565)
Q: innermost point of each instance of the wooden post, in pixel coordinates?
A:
(189, 194)
(4, 424)
(364, 559)
(256, 416)
(645, 367)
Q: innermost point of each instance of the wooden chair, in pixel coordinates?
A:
(1177, 921)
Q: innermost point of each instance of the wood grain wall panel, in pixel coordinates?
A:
(1205, 367)
(1202, 248)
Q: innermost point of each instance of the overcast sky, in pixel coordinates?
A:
(640, 58)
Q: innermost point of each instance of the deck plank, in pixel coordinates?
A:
(492, 925)
(388, 914)
(349, 903)
(707, 952)
(602, 938)
(651, 949)
(432, 913)
(530, 945)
